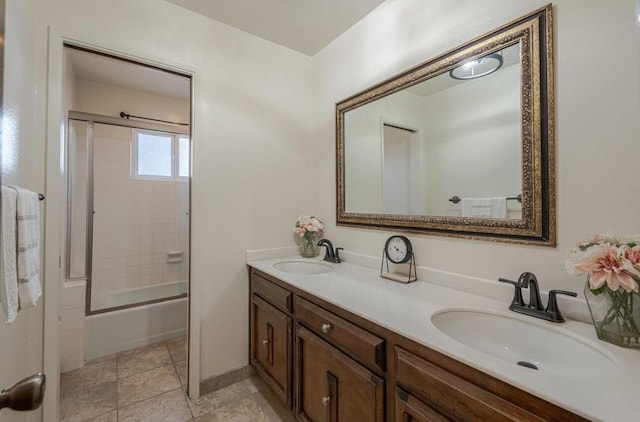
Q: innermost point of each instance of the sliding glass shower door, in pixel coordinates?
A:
(128, 214)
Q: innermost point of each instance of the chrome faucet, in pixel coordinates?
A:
(534, 308)
(330, 255)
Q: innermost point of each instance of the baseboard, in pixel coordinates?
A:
(226, 379)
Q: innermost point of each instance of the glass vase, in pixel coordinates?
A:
(615, 315)
(308, 245)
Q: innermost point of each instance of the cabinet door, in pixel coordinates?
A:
(332, 387)
(410, 409)
(271, 346)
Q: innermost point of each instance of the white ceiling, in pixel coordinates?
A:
(510, 56)
(106, 70)
(306, 26)
(303, 25)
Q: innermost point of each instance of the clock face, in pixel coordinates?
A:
(398, 249)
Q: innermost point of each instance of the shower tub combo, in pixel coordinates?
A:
(123, 329)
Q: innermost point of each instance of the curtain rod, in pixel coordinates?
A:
(127, 116)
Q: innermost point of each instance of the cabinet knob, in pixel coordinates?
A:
(265, 342)
(326, 328)
(326, 400)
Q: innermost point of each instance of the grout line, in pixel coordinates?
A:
(148, 369)
(152, 397)
(140, 373)
(163, 392)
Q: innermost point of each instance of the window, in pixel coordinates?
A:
(184, 163)
(160, 155)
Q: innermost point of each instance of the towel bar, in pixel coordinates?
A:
(456, 199)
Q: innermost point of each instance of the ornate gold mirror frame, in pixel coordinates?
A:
(537, 226)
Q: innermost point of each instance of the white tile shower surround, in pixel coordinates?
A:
(136, 221)
(72, 325)
(147, 384)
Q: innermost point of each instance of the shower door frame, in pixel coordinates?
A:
(91, 119)
(70, 194)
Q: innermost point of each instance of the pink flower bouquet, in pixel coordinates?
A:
(613, 268)
(608, 260)
(308, 230)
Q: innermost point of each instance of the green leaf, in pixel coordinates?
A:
(598, 291)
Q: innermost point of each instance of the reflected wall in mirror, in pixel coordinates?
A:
(461, 145)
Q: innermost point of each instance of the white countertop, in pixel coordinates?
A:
(407, 309)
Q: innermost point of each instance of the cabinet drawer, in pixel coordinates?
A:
(452, 396)
(273, 293)
(367, 348)
(410, 409)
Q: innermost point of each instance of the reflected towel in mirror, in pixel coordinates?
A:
(484, 207)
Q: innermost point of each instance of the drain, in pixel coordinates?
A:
(527, 365)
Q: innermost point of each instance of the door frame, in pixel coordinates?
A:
(55, 212)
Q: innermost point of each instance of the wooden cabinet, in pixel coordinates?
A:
(333, 387)
(271, 346)
(410, 409)
(348, 369)
(452, 396)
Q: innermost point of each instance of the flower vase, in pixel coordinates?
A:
(308, 245)
(615, 315)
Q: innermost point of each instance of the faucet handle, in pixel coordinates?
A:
(552, 306)
(517, 294)
(337, 255)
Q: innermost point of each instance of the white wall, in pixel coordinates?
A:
(69, 93)
(364, 151)
(596, 122)
(251, 143)
(468, 159)
(109, 100)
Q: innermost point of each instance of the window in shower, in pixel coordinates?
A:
(160, 155)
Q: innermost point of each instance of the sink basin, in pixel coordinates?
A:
(303, 267)
(526, 344)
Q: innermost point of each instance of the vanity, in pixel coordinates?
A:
(339, 343)
(336, 342)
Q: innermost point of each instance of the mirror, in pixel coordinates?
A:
(461, 145)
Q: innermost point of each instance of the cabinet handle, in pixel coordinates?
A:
(326, 327)
(265, 342)
(326, 400)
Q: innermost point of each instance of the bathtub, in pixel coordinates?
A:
(124, 329)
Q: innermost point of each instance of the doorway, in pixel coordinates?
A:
(399, 169)
(126, 260)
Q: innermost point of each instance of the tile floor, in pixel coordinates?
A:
(147, 384)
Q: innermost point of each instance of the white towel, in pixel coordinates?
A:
(499, 207)
(9, 276)
(28, 216)
(484, 207)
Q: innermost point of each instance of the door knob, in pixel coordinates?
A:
(26, 394)
(326, 328)
(265, 342)
(326, 400)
